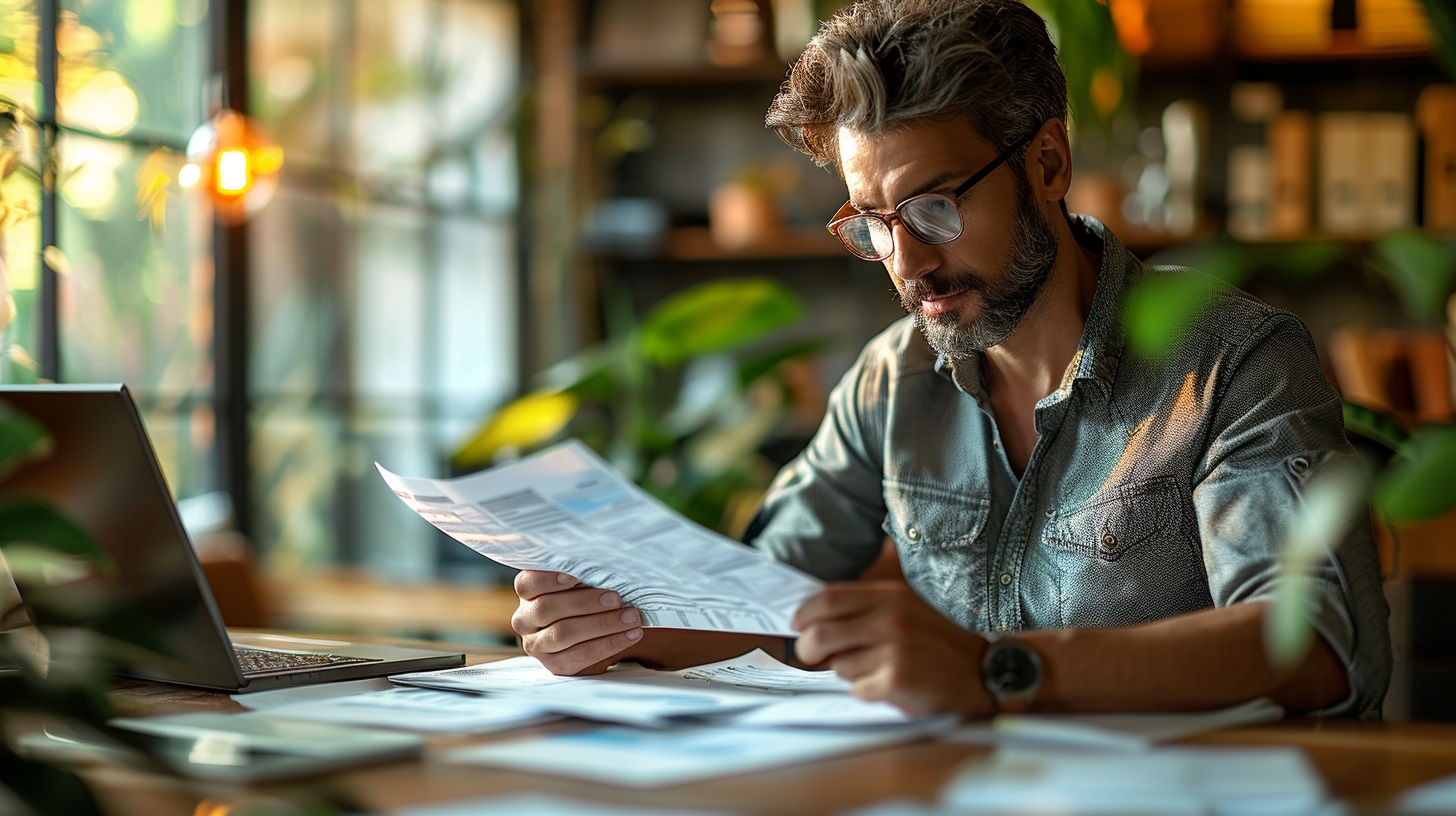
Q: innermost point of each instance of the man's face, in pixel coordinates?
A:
(971, 293)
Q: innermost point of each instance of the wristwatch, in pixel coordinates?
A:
(1012, 673)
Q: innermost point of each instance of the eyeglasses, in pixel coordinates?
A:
(933, 218)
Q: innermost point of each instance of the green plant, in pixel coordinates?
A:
(680, 401)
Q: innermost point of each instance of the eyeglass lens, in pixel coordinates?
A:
(931, 218)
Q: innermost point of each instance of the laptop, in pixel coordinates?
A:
(102, 472)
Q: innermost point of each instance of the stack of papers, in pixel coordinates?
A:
(753, 689)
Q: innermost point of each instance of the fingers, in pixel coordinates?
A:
(587, 657)
(535, 583)
(535, 614)
(842, 600)
(571, 628)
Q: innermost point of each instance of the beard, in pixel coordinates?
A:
(1005, 302)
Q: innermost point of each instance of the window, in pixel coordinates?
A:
(382, 277)
(130, 290)
(383, 272)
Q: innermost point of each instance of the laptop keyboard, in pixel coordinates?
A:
(267, 661)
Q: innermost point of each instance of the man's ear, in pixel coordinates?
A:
(1049, 159)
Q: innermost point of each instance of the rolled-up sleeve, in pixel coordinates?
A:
(823, 511)
(1278, 425)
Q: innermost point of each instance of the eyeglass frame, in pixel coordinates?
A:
(840, 217)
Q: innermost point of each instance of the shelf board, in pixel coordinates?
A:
(696, 244)
(1344, 46)
(603, 76)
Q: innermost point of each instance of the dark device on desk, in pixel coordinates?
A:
(102, 472)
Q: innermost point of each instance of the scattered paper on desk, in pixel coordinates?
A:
(527, 804)
(267, 700)
(760, 671)
(626, 694)
(1175, 780)
(566, 510)
(644, 759)
(819, 711)
(514, 674)
(1128, 732)
(1432, 799)
(420, 709)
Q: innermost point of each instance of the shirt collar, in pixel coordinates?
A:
(1103, 335)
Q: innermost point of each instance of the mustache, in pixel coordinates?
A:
(914, 291)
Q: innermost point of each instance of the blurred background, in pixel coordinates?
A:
(465, 229)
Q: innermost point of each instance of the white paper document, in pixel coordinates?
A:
(1128, 732)
(268, 700)
(541, 804)
(759, 671)
(643, 759)
(420, 709)
(1430, 799)
(566, 510)
(627, 694)
(1176, 780)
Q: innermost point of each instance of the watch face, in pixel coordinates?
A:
(1012, 669)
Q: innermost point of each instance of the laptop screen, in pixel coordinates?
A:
(102, 472)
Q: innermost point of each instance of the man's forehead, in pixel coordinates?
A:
(907, 159)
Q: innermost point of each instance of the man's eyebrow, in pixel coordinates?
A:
(930, 186)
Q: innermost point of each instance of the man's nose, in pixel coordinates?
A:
(912, 258)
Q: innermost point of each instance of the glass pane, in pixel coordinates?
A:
(136, 293)
(295, 461)
(393, 121)
(134, 67)
(20, 256)
(475, 334)
(297, 287)
(18, 51)
(399, 545)
(297, 82)
(474, 68)
(391, 304)
(383, 329)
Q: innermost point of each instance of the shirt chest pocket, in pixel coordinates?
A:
(1119, 520)
(938, 538)
(1127, 557)
(919, 517)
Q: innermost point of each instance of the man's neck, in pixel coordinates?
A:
(1033, 361)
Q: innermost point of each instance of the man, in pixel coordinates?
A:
(1079, 528)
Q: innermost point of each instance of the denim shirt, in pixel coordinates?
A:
(1157, 486)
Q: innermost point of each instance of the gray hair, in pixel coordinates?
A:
(882, 63)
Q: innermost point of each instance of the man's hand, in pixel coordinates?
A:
(570, 628)
(894, 647)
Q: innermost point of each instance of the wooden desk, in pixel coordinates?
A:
(1365, 763)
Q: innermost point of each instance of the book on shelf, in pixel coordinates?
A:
(1436, 111)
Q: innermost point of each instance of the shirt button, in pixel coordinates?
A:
(1050, 512)
(1005, 579)
(996, 443)
(913, 533)
(1109, 541)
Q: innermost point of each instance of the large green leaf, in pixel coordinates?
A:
(751, 370)
(20, 438)
(44, 528)
(1442, 14)
(716, 316)
(1377, 426)
(1421, 482)
(1422, 271)
(1158, 309)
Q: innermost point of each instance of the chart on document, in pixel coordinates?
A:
(566, 510)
